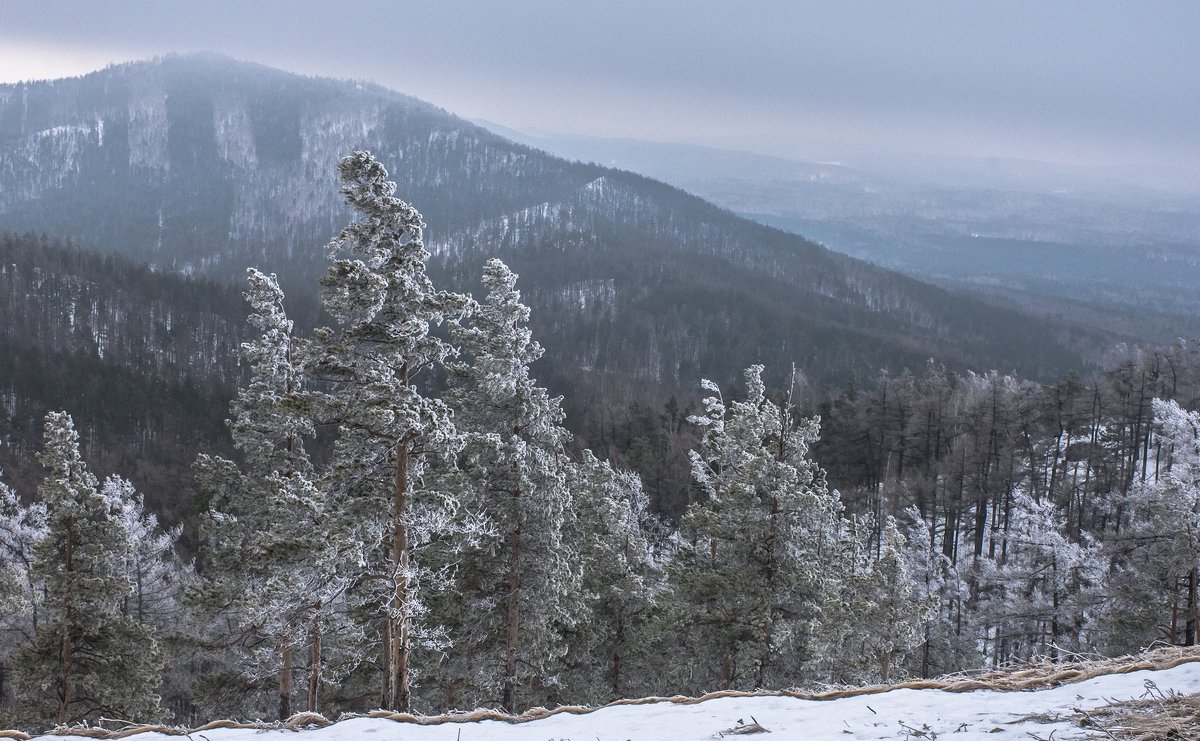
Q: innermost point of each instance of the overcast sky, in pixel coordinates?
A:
(1085, 81)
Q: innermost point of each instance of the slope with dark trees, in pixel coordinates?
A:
(202, 164)
(145, 361)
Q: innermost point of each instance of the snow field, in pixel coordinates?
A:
(895, 714)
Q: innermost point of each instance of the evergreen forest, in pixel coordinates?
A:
(263, 506)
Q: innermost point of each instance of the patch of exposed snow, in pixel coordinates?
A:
(900, 713)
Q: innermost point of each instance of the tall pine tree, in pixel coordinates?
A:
(614, 651)
(389, 432)
(522, 583)
(273, 569)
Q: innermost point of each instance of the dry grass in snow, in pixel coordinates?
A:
(1022, 701)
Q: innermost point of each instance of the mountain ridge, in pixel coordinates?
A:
(205, 165)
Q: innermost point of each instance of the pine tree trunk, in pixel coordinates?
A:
(401, 623)
(925, 654)
(1189, 638)
(1054, 628)
(1174, 637)
(385, 660)
(511, 633)
(769, 615)
(64, 697)
(314, 672)
(285, 679)
(618, 642)
(727, 670)
(619, 636)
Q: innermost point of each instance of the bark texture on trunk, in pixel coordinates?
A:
(398, 680)
(285, 679)
(1189, 638)
(314, 671)
(513, 615)
(385, 662)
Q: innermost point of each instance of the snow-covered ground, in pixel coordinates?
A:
(896, 714)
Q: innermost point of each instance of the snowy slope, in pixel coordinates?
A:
(895, 714)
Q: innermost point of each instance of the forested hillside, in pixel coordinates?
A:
(404, 521)
(145, 360)
(208, 166)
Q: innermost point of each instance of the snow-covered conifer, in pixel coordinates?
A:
(273, 567)
(151, 563)
(877, 611)
(522, 583)
(1037, 594)
(752, 566)
(613, 651)
(388, 430)
(88, 658)
(947, 634)
(159, 578)
(1153, 588)
(21, 528)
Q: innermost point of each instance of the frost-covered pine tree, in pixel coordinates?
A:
(273, 567)
(151, 564)
(159, 579)
(614, 651)
(521, 586)
(948, 638)
(898, 609)
(21, 528)
(88, 658)
(1037, 594)
(877, 609)
(1152, 590)
(753, 563)
(389, 432)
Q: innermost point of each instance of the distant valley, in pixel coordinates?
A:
(1113, 247)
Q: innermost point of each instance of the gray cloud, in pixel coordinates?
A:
(1072, 81)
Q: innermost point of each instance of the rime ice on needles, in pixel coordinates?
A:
(88, 658)
(21, 528)
(274, 570)
(390, 433)
(754, 555)
(523, 581)
(1155, 556)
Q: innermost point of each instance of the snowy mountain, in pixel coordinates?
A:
(204, 165)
